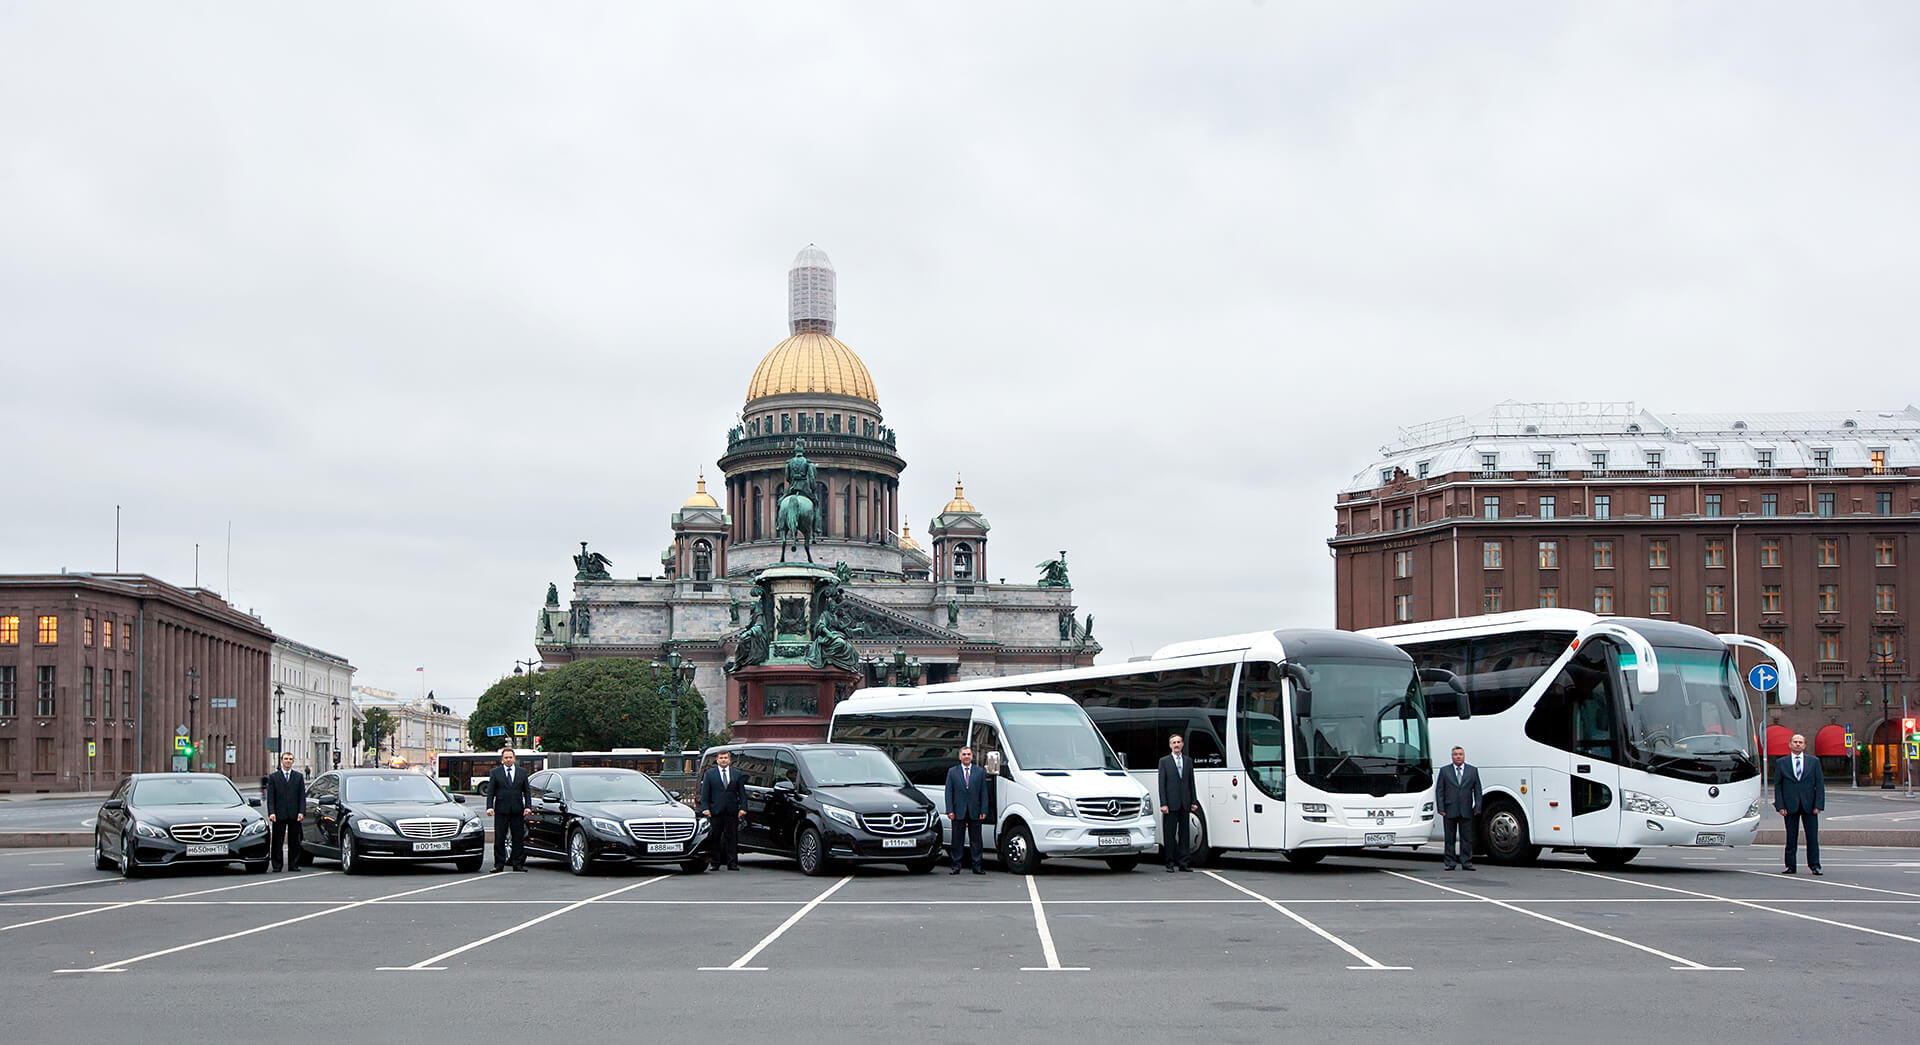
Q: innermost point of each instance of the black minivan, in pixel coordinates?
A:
(830, 803)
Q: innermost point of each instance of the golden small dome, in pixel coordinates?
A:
(959, 502)
(701, 498)
(906, 537)
(812, 362)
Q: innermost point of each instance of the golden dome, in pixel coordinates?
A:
(812, 362)
(959, 502)
(906, 537)
(701, 498)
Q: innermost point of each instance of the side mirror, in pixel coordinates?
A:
(114, 803)
(326, 800)
(1302, 690)
(1452, 681)
(1786, 683)
(254, 802)
(462, 799)
(993, 762)
(784, 785)
(1638, 657)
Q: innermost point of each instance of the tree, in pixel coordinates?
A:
(503, 704)
(592, 705)
(376, 725)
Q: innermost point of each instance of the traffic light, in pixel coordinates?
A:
(1907, 727)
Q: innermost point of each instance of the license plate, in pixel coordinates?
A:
(1112, 840)
(1378, 838)
(1710, 838)
(898, 843)
(433, 847)
(663, 847)
(207, 850)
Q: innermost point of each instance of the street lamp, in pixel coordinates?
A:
(679, 670)
(336, 729)
(529, 668)
(193, 700)
(279, 720)
(1885, 659)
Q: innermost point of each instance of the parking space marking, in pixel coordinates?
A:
(120, 966)
(1684, 964)
(1749, 903)
(1826, 881)
(740, 964)
(433, 964)
(1370, 966)
(1046, 936)
(139, 903)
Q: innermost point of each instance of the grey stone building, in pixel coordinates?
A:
(935, 604)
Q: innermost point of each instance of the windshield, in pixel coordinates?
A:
(187, 791)
(1366, 730)
(843, 767)
(613, 787)
(393, 787)
(1054, 736)
(1697, 711)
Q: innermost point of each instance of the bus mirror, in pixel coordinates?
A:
(1452, 682)
(1786, 683)
(1638, 657)
(993, 762)
(1302, 690)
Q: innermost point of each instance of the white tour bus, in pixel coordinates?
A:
(1348, 707)
(1603, 734)
(1058, 789)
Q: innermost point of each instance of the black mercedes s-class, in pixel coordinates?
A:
(358, 816)
(589, 817)
(176, 819)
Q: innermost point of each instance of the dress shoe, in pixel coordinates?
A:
(954, 871)
(1789, 871)
(1446, 867)
(1468, 867)
(496, 870)
(1186, 869)
(1170, 870)
(521, 870)
(733, 867)
(1818, 873)
(978, 871)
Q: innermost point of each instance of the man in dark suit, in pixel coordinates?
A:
(723, 801)
(1799, 793)
(1456, 796)
(969, 804)
(1178, 802)
(509, 796)
(286, 809)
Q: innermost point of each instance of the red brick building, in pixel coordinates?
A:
(1798, 528)
(111, 660)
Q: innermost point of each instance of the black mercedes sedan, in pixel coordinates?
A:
(177, 819)
(594, 817)
(359, 816)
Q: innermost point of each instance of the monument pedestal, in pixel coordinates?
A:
(787, 702)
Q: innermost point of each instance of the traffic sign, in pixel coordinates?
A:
(496, 731)
(1763, 677)
(181, 745)
(223, 702)
(1849, 736)
(519, 729)
(90, 749)
(179, 731)
(1913, 749)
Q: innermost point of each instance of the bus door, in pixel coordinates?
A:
(1577, 795)
(1218, 785)
(989, 755)
(1262, 735)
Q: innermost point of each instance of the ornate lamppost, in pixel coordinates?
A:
(336, 730)
(679, 673)
(528, 694)
(279, 721)
(193, 702)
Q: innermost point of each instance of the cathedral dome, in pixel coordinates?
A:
(959, 502)
(701, 498)
(906, 538)
(812, 362)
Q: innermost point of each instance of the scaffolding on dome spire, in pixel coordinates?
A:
(810, 292)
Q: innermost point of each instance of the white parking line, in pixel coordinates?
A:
(433, 964)
(1828, 881)
(139, 903)
(1748, 903)
(1370, 966)
(120, 966)
(740, 964)
(1684, 964)
(1046, 936)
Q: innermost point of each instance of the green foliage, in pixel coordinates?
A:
(590, 705)
(376, 725)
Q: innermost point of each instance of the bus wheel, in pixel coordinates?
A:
(1199, 855)
(1305, 857)
(1017, 851)
(1504, 834)
(1611, 857)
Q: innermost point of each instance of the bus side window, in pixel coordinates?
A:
(1204, 748)
(1263, 733)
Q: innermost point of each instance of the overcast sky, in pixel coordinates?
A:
(418, 296)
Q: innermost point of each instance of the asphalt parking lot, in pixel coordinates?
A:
(1711, 944)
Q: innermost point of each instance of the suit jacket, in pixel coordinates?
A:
(970, 800)
(1805, 795)
(286, 795)
(1453, 798)
(509, 799)
(1176, 789)
(727, 800)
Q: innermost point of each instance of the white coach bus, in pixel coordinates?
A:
(1302, 740)
(1602, 734)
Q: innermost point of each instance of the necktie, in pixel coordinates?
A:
(723, 778)
(966, 776)
(1796, 767)
(1459, 775)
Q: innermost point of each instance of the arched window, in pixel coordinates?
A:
(702, 560)
(963, 562)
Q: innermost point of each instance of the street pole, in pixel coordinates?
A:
(529, 668)
(193, 701)
(1886, 722)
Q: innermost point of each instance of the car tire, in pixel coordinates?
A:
(924, 865)
(1017, 851)
(349, 863)
(467, 864)
(810, 851)
(128, 869)
(1504, 834)
(693, 866)
(101, 861)
(1611, 857)
(1123, 864)
(579, 859)
(1305, 857)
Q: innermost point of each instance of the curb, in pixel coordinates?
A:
(1778, 836)
(45, 839)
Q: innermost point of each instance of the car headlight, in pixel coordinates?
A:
(371, 827)
(1754, 809)
(149, 830)
(1636, 802)
(254, 827)
(1313, 807)
(844, 815)
(1428, 808)
(472, 827)
(602, 824)
(1055, 805)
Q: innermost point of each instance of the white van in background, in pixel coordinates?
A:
(1059, 790)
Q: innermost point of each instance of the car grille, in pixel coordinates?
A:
(660, 830)
(1108, 808)
(428, 827)
(894, 823)
(194, 833)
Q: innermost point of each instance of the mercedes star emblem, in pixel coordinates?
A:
(899, 822)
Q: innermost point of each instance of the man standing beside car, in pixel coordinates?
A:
(507, 794)
(1178, 802)
(969, 804)
(286, 809)
(723, 801)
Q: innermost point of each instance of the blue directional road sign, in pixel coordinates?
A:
(496, 731)
(1763, 677)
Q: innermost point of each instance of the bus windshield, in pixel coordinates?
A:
(1054, 736)
(1697, 712)
(1366, 731)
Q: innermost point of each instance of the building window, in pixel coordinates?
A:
(1829, 598)
(1716, 598)
(1658, 602)
(1546, 507)
(1421, 469)
(126, 636)
(1549, 598)
(1543, 462)
(1883, 502)
(1603, 600)
(43, 754)
(86, 631)
(1827, 551)
(1489, 507)
(1829, 650)
(962, 562)
(9, 631)
(1769, 551)
(1490, 555)
(1491, 600)
(86, 692)
(1489, 464)
(1402, 608)
(1823, 460)
(1403, 564)
(1602, 506)
(1769, 598)
(1878, 461)
(1716, 551)
(1386, 476)
(1769, 504)
(1603, 555)
(1776, 636)
(49, 631)
(1764, 460)
(1657, 554)
(126, 695)
(1829, 694)
(1883, 601)
(1713, 505)
(106, 635)
(1710, 460)
(1657, 506)
(1826, 505)
(44, 701)
(1600, 461)
(9, 691)
(6, 755)
(1883, 646)
(1653, 461)
(1882, 555)
(1549, 555)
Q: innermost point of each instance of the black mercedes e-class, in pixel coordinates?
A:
(358, 816)
(177, 819)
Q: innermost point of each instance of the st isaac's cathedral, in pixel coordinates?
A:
(938, 604)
